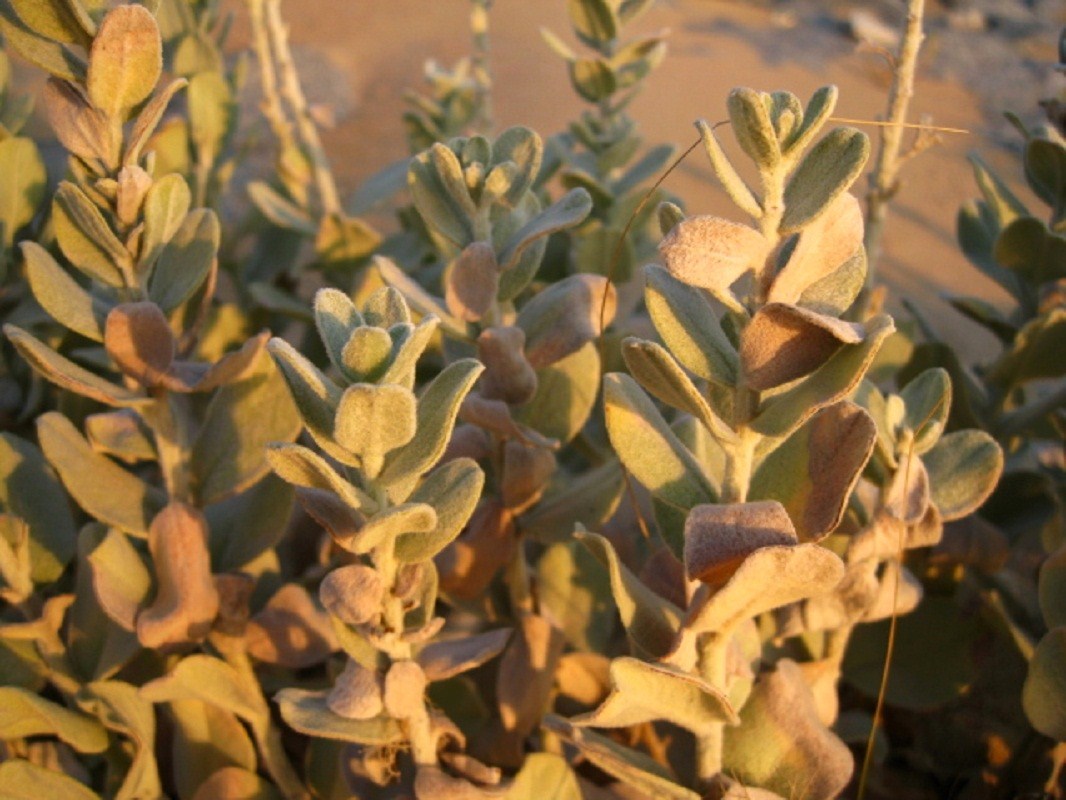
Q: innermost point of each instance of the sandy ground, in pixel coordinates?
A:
(359, 56)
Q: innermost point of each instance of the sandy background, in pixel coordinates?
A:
(358, 56)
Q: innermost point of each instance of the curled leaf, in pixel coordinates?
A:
(718, 538)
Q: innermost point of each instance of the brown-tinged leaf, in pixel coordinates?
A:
(433, 783)
(290, 631)
(814, 472)
(234, 783)
(907, 496)
(712, 253)
(846, 603)
(508, 374)
(472, 281)
(822, 248)
(308, 713)
(975, 542)
(526, 472)
(125, 60)
(188, 376)
(138, 338)
(186, 600)
(781, 744)
(80, 128)
(718, 538)
(562, 318)
(352, 593)
(357, 693)
(449, 657)
(785, 342)
(469, 563)
(495, 416)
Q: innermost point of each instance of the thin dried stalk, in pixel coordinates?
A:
(479, 27)
(293, 94)
(884, 180)
(271, 106)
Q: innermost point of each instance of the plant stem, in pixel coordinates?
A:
(268, 77)
(305, 126)
(884, 180)
(709, 745)
(479, 26)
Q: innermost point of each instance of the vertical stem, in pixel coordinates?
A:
(715, 651)
(883, 180)
(305, 126)
(479, 26)
(268, 77)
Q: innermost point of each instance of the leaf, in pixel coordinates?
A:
(472, 282)
(927, 403)
(29, 490)
(437, 409)
(125, 60)
(651, 621)
(633, 768)
(139, 340)
(57, 20)
(302, 467)
(753, 129)
(814, 472)
(824, 246)
(315, 395)
(61, 296)
(1028, 248)
(1036, 352)
(166, 208)
(24, 780)
(712, 253)
(566, 394)
(726, 173)
(565, 213)
(834, 380)
(417, 518)
(828, 169)
(781, 744)
(121, 709)
(148, 119)
(206, 739)
(963, 468)
(307, 713)
(560, 320)
(544, 776)
(373, 421)
(209, 680)
(720, 538)
(248, 525)
(447, 658)
(121, 581)
(235, 783)
(442, 210)
(575, 595)
(291, 631)
(595, 21)
(689, 327)
(86, 239)
(662, 377)
(1044, 692)
(185, 260)
(769, 578)
(41, 51)
(105, 490)
(25, 183)
(1045, 170)
(1052, 589)
(228, 455)
(837, 292)
(24, 714)
(650, 450)
(587, 499)
(643, 692)
(452, 490)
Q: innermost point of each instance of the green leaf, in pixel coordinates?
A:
(120, 708)
(316, 396)
(963, 468)
(1044, 692)
(420, 299)
(416, 518)
(29, 490)
(166, 208)
(185, 260)
(1045, 169)
(592, 78)
(210, 680)
(25, 182)
(633, 768)
(49, 55)
(544, 776)
(452, 490)
(1052, 589)
(61, 296)
(818, 109)
(211, 110)
(726, 173)
(522, 147)
(302, 467)
(228, 454)
(662, 377)
(575, 593)
(373, 421)
(565, 213)
(642, 692)
(836, 292)
(1036, 353)
(815, 470)
(437, 409)
(24, 780)
(594, 21)
(836, 378)
(246, 526)
(121, 581)
(23, 714)
(57, 20)
(651, 621)
(125, 60)
(828, 169)
(1028, 248)
(927, 403)
(753, 129)
(86, 239)
(588, 499)
(206, 739)
(101, 487)
(440, 198)
(565, 396)
(307, 713)
(689, 327)
(650, 450)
